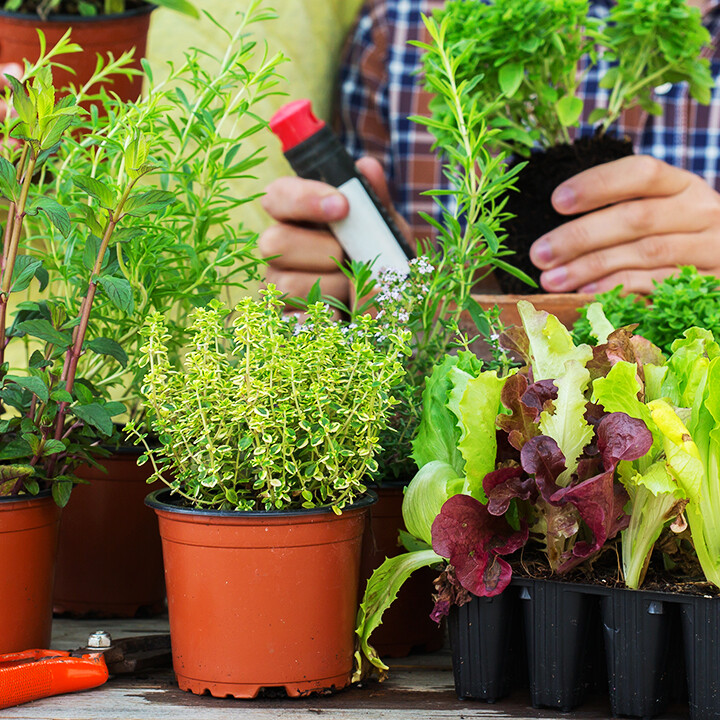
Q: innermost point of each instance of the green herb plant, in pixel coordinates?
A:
(270, 414)
(90, 8)
(53, 417)
(685, 299)
(525, 59)
(199, 118)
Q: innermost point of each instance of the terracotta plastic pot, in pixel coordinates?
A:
(406, 625)
(564, 306)
(110, 555)
(261, 600)
(100, 34)
(28, 545)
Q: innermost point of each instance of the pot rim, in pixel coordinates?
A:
(7, 499)
(74, 19)
(158, 500)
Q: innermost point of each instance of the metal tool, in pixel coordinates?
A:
(34, 674)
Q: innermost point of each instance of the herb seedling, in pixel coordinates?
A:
(526, 61)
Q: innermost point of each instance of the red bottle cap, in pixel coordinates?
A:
(295, 122)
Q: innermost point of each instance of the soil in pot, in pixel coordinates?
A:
(261, 600)
(530, 203)
(28, 545)
(110, 555)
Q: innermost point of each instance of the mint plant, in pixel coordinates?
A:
(271, 413)
(526, 59)
(57, 417)
(199, 118)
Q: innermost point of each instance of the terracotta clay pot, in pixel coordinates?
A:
(564, 306)
(261, 599)
(110, 555)
(99, 34)
(406, 625)
(28, 545)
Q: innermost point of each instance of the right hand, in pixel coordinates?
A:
(299, 247)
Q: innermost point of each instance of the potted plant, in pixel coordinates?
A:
(198, 151)
(103, 31)
(526, 62)
(268, 434)
(56, 419)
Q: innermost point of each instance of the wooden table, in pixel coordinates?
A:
(419, 687)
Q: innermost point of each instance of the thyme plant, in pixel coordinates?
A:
(272, 413)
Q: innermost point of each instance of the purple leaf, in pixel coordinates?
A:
(505, 484)
(542, 458)
(541, 395)
(600, 502)
(621, 437)
(521, 424)
(472, 539)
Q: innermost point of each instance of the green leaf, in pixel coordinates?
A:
(382, 588)
(56, 213)
(119, 291)
(108, 346)
(61, 490)
(97, 189)
(424, 497)
(148, 202)
(31, 383)
(44, 330)
(53, 446)
(510, 77)
(95, 415)
(9, 186)
(476, 403)
(24, 271)
(182, 6)
(569, 109)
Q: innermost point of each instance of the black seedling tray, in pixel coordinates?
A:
(647, 648)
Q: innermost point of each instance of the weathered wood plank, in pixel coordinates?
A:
(419, 688)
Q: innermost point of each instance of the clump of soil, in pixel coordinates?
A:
(71, 7)
(530, 203)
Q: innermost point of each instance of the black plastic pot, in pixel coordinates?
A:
(483, 635)
(641, 633)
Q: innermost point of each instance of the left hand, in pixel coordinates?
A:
(644, 218)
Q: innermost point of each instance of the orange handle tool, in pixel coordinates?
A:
(35, 674)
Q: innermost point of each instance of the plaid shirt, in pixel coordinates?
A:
(379, 89)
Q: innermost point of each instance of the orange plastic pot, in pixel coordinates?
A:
(28, 545)
(261, 600)
(110, 555)
(406, 624)
(100, 34)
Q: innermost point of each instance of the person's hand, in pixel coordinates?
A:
(645, 218)
(299, 247)
(13, 69)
